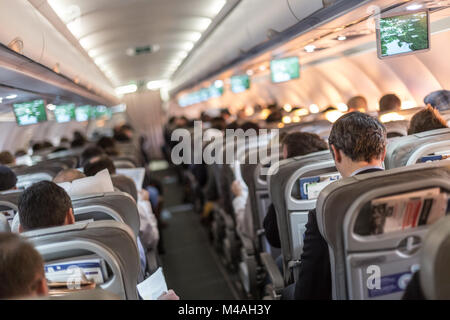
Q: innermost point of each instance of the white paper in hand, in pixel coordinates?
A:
(100, 183)
(153, 287)
(137, 174)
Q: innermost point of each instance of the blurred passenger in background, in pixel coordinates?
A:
(439, 100)
(425, 120)
(7, 159)
(357, 103)
(389, 103)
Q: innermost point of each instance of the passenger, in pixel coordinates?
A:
(125, 133)
(21, 269)
(358, 103)
(293, 145)
(89, 153)
(358, 145)
(148, 231)
(414, 289)
(425, 120)
(44, 205)
(225, 115)
(98, 164)
(8, 179)
(78, 141)
(249, 125)
(47, 205)
(7, 159)
(106, 143)
(439, 100)
(390, 103)
(68, 175)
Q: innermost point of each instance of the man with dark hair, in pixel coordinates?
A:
(250, 125)
(7, 159)
(44, 205)
(98, 164)
(358, 145)
(390, 103)
(8, 179)
(106, 143)
(89, 153)
(21, 269)
(358, 103)
(425, 120)
(294, 144)
(300, 143)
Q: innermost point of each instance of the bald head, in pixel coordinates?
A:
(68, 175)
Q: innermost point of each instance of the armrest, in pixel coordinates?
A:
(247, 244)
(274, 273)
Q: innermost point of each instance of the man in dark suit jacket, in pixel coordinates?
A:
(358, 144)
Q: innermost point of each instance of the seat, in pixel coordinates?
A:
(404, 151)
(355, 229)
(435, 262)
(396, 128)
(4, 225)
(118, 206)
(44, 171)
(291, 210)
(111, 241)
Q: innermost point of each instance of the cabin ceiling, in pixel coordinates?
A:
(106, 29)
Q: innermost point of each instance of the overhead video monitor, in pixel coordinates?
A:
(285, 69)
(216, 90)
(83, 113)
(64, 113)
(402, 34)
(30, 112)
(240, 83)
(102, 112)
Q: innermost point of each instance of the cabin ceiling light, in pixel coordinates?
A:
(409, 104)
(314, 108)
(287, 108)
(51, 107)
(342, 38)
(414, 6)
(310, 48)
(342, 107)
(156, 85)
(11, 96)
(217, 6)
(131, 88)
(262, 67)
(249, 72)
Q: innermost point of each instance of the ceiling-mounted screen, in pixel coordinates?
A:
(401, 34)
(30, 112)
(285, 69)
(83, 113)
(102, 112)
(240, 83)
(64, 113)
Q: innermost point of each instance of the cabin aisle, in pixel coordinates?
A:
(191, 267)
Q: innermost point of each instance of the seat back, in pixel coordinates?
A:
(111, 241)
(118, 206)
(44, 171)
(435, 262)
(404, 151)
(369, 235)
(255, 177)
(396, 128)
(292, 206)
